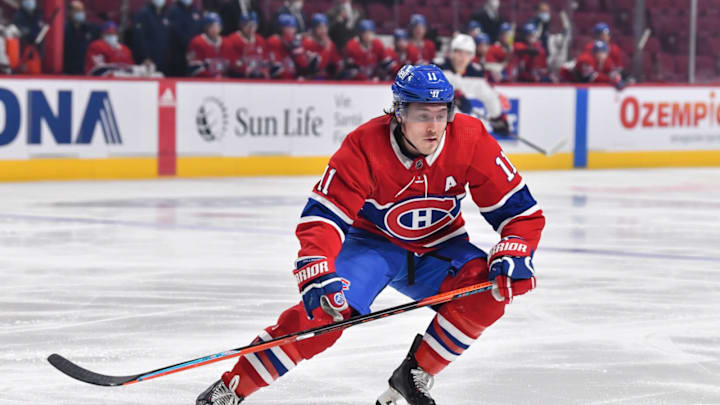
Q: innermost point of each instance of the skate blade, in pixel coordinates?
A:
(389, 397)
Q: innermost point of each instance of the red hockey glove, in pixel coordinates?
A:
(320, 287)
(511, 268)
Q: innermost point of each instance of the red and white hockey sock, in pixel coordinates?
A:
(443, 343)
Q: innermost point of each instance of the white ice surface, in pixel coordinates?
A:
(125, 277)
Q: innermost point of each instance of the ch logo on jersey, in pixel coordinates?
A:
(421, 217)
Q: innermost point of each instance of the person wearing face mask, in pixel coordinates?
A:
(542, 21)
(489, 18)
(28, 21)
(151, 35)
(209, 54)
(185, 23)
(107, 54)
(78, 35)
(294, 8)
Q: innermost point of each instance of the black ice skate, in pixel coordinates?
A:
(409, 381)
(219, 394)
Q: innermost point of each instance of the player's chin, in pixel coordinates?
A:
(430, 144)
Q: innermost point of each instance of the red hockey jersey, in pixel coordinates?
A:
(410, 56)
(427, 50)
(365, 63)
(329, 60)
(101, 58)
(415, 203)
(615, 54)
(208, 58)
(248, 55)
(288, 60)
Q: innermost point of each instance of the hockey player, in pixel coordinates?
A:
(499, 55)
(468, 79)
(107, 54)
(248, 49)
(418, 29)
(387, 212)
(402, 52)
(597, 67)
(529, 56)
(365, 55)
(209, 54)
(318, 41)
(602, 33)
(483, 46)
(287, 58)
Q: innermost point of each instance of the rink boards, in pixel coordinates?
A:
(62, 128)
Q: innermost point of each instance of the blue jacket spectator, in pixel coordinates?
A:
(151, 35)
(28, 21)
(78, 36)
(186, 22)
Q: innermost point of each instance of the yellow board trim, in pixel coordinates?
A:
(78, 169)
(313, 165)
(694, 158)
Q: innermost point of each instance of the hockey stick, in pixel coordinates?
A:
(90, 377)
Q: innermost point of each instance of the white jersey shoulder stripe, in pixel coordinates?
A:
(332, 207)
(504, 199)
(309, 219)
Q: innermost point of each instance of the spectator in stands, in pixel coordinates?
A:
(499, 55)
(596, 66)
(78, 35)
(365, 56)
(529, 58)
(542, 21)
(482, 41)
(489, 18)
(151, 36)
(287, 58)
(28, 20)
(319, 42)
(343, 21)
(294, 8)
(209, 54)
(107, 55)
(474, 28)
(418, 29)
(185, 23)
(248, 50)
(602, 33)
(402, 52)
(232, 10)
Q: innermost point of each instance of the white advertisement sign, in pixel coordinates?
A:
(654, 118)
(242, 119)
(544, 116)
(77, 118)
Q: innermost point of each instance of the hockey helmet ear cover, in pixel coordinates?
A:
(422, 84)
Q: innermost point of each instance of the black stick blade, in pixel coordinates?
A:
(73, 370)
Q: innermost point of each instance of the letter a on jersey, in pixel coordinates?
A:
(450, 183)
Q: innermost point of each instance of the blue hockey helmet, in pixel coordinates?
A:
(286, 20)
(417, 19)
(250, 17)
(400, 33)
(212, 18)
(505, 27)
(473, 25)
(422, 84)
(319, 19)
(601, 27)
(600, 46)
(529, 28)
(366, 25)
(482, 38)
